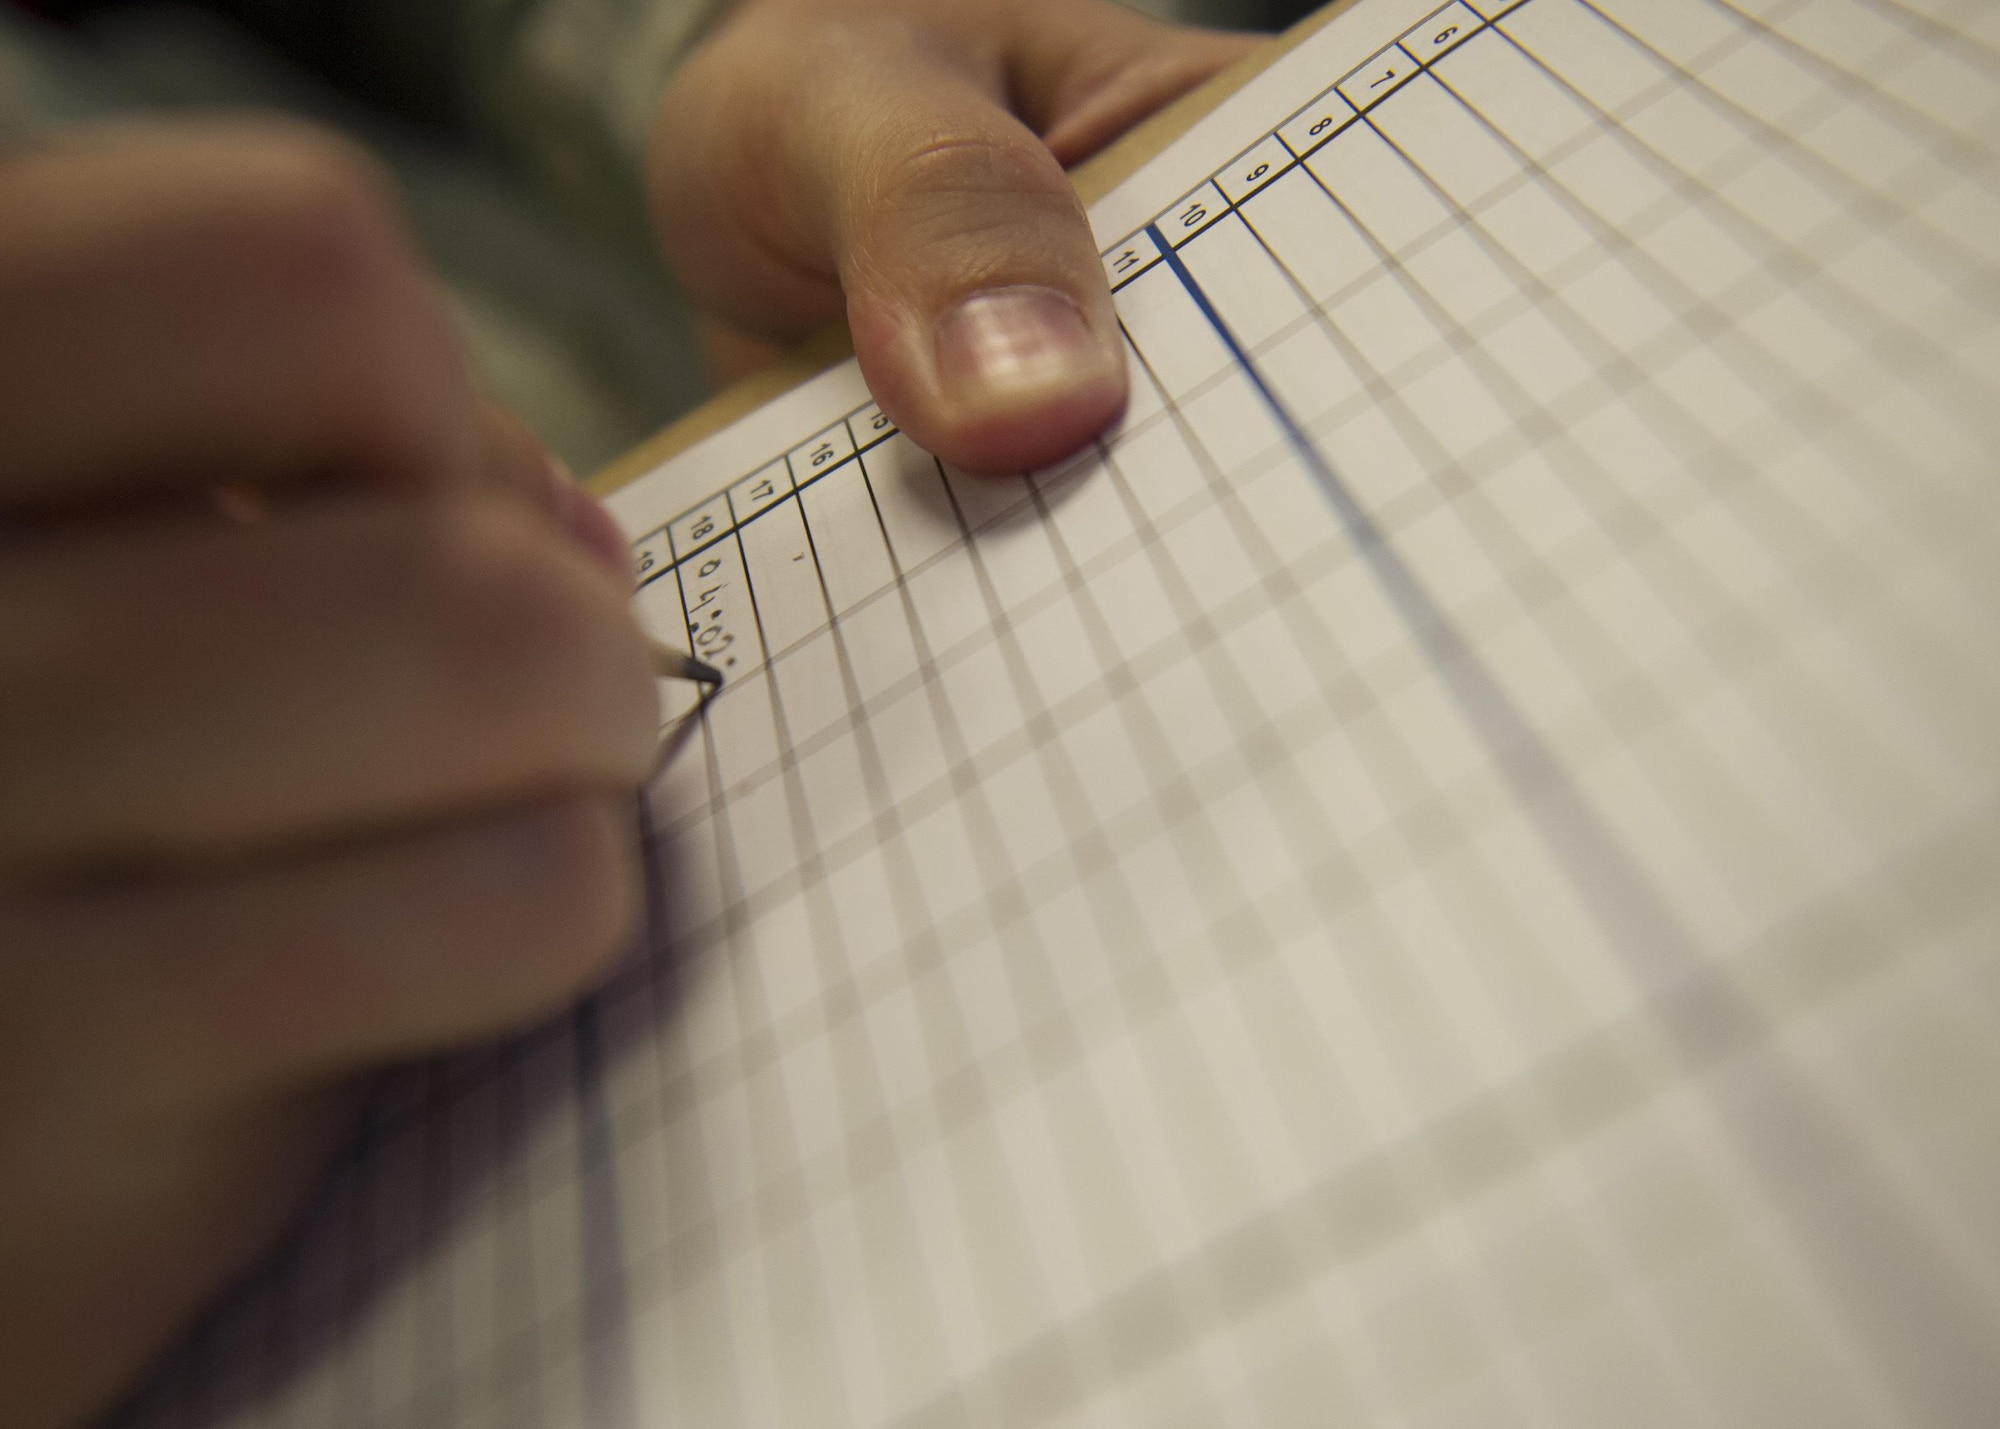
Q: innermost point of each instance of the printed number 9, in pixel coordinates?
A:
(1256, 173)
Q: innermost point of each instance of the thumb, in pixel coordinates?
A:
(974, 289)
(815, 159)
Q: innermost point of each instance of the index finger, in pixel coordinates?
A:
(217, 303)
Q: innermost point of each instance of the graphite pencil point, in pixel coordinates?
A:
(672, 664)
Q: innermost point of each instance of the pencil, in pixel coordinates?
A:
(672, 664)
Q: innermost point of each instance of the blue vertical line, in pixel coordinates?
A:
(1619, 894)
(1914, 1308)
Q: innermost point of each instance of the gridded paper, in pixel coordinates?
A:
(1448, 872)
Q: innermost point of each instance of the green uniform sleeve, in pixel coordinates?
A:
(565, 90)
(568, 88)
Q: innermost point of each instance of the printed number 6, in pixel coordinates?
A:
(1443, 37)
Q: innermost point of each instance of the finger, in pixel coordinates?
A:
(331, 960)
(217, 302)
(197, 688)
(872, 160)
(972, 285)
(974, 291)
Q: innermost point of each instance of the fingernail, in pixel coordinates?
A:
(1006, 341)
(586, 520)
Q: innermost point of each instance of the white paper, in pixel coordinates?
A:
(1446, 873)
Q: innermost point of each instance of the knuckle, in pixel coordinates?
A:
(978, 166)
(972, 205)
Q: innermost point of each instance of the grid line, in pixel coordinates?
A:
(1255, 990)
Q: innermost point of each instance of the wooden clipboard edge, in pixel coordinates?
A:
(1093, 178)
(810, 358)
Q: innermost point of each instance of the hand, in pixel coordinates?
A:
(281, 796)
(903, 160)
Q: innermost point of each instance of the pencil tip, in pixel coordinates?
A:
(672, 664)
